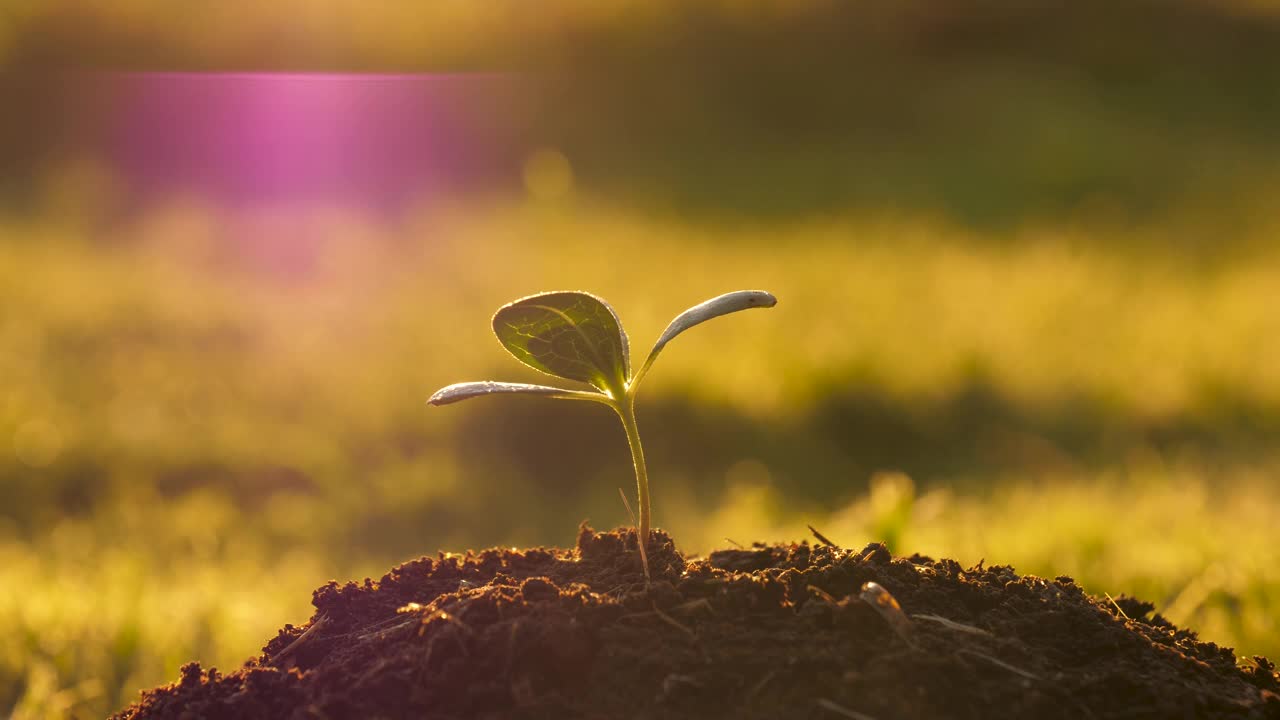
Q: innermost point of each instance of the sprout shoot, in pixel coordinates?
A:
(577, 336)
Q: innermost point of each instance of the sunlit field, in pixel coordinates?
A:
(197, 434)
(1026, 260)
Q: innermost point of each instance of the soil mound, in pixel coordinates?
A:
(766, 632)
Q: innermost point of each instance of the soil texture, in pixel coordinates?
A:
(783, 631)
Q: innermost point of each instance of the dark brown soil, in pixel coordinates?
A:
(767, 632)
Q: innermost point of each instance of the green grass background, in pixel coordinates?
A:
(195, 446)
(1028, 279)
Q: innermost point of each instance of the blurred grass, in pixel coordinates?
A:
(1025, 255)
(198, 431)
(991, 112)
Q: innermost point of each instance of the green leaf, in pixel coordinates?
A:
(570, 335)
(714, 308)
(462, 391)
(702, 312)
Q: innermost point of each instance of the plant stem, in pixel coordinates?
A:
(627, 411)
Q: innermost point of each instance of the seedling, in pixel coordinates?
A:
(577, 336)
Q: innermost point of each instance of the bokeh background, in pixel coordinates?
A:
(1027, 259)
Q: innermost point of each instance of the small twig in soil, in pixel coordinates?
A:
(822, 538)
(952, 624)
(826, 704)
(640, 542)
(869, 551)
(999, 662)
(306, 634)
(735, 543)
(1119, 609)
(887, 605)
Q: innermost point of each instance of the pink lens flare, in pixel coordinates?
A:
(253, 139)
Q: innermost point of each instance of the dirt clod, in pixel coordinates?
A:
(764, 632)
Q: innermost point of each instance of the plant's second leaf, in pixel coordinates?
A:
(713, 308)
(462, 391)
(702, 312)
(572, 335)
